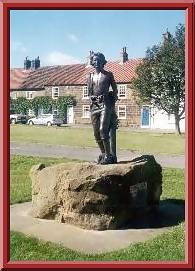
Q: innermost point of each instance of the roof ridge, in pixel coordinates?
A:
(80, 64)
(70, 74)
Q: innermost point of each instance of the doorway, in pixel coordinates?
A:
(70, 114)
(145, 117)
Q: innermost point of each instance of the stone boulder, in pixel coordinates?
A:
(93, 196)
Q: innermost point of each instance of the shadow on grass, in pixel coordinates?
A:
(171, 212)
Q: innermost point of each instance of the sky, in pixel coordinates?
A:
(66, 36)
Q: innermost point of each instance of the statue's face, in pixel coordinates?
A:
(97, 62)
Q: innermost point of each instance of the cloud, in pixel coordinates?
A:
(17, 46)
(59, 58)
(73, 38)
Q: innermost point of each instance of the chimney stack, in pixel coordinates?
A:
(124, 55)
(31, 64)
(37, 63)
(27, 63)
(89, 59)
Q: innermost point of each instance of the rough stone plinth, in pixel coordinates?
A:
(97, 197)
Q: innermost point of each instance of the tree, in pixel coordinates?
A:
(160, 76)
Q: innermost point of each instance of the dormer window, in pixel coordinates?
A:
(85, 92)
(122, 91)
(55, 92)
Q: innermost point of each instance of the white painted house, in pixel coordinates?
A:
(152, 118)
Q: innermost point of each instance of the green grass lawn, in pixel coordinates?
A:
(129, 140)
(168, 246)
(20, 183)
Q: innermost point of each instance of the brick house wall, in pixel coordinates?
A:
(77, 92)
(22, 93)
(132, 109)
(132, 115)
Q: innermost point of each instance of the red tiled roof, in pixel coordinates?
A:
(67, 75)
(38, 78)
(123, 72)
(76, 74)
(17, 77)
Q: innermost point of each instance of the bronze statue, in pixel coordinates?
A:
(102, 90)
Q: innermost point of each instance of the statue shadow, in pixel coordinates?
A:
(171, 212)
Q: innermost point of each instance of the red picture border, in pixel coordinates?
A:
(5, 7)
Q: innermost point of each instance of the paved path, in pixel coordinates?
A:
(88, 154)
(89, 241)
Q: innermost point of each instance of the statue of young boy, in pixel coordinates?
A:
(102, 90)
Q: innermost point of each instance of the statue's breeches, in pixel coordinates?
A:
(101, 117)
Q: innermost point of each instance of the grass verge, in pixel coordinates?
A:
(83, 137)
(20, 183)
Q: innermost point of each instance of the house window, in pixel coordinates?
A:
(14, 96)
(55, 92)
(122, 112)
(171, 118)
(55, 111)
(122, 89)
(85, 92)
(86, 111)
(29, 95)
(31, 112)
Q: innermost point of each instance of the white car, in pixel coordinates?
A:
(18, 118)
(46, 119)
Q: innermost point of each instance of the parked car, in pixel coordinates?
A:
(18, 118)
(46, 119)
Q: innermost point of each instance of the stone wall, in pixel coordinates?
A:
(133, 114)
(22, 93)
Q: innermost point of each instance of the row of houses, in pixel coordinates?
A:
(56, 81)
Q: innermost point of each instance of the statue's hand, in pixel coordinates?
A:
(93, 98)
(111, 93)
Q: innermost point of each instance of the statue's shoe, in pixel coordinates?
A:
(114, 159)
(108, 159)
(100, 158)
